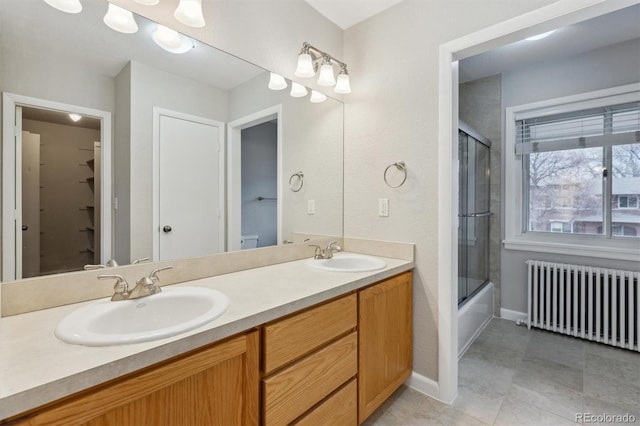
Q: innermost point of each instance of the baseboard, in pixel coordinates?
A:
(510, 315)
(426, 386)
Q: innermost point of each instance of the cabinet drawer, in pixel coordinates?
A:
(292, 391)
(339, 409)
(291, 338)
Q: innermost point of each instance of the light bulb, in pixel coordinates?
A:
(277, 82)
(298, 90)
(171, 40)
(68, 6)
(343, 86)
(148, 2)
(119, 19)
(317, 97)
(75, 117)
(326, 77)
(305, 66)
(189, 12)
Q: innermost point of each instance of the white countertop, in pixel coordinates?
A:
(37, 368)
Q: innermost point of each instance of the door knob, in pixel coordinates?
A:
(166, 228)
(25, 227)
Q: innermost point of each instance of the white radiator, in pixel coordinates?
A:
(596, 304)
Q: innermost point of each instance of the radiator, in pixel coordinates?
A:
(591, 303)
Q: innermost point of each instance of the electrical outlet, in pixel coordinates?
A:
(383, 207)
(311, 207)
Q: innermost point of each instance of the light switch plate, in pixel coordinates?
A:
(383, 207)
(311, 207)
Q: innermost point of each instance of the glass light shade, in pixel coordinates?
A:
(317, 97)
(540, 36)
(277, 82)
(326, 77)
(171, 40)
(75, 117)
(119, 19)
(343, 86)
(305, 66)
(68, 6)
(189, 12)
(148, 2)
(298, 90)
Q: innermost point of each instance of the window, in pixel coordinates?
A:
(573, 175)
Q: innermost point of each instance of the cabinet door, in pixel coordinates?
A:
(385, 341)
(218, 385)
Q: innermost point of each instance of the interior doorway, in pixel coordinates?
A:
(254, 179)
(56, 184)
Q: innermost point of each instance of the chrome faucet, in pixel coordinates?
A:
(120, 289)
(145, 286)
(110, 264)
(327, 253)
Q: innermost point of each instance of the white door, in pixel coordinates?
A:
(189, 188)
(30, 226)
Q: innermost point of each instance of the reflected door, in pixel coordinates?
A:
(30, 228)
(189, 189)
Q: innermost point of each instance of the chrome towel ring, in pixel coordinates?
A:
(296, 184)
(402, 167)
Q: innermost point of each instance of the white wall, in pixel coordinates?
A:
(598, 69)
(259, 179)
(122, 165)
(154, 88)
(392, 115)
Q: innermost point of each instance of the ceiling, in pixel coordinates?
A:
(56, 117)
(602, 31)
(347, 13)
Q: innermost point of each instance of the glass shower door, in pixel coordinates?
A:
(474, 214)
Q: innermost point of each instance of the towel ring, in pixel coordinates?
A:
(296, 187)
(400, 165)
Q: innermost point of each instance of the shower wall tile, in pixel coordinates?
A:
(480, 107)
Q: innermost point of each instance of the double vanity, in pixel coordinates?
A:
(294, 342)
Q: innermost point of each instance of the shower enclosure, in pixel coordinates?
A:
(474, 214)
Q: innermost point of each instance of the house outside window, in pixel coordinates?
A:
(573, 173)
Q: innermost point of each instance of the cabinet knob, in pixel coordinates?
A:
(166, 228)
(25, 227)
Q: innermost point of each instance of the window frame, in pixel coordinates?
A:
(516, 238)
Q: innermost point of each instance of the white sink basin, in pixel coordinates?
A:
(349, 262)
(171, 312)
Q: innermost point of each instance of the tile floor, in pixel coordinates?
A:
(512, 376)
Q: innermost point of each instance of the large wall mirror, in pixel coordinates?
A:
(116, 149)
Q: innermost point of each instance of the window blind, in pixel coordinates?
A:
(604, 126)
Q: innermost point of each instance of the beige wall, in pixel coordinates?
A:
(392, 115)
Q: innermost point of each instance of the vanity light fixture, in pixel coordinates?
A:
(121, 20)
(277, 82)
(311, 59)
(317, 97)
(343, 86)
(326, 77)
(148, 2)
(298, 90)
(68, 6)
(75, 117)
(189, 12)
(171, 40)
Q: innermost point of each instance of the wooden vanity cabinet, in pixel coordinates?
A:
(310, 360)
(384, 341)
(216, 385)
